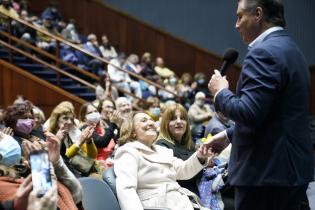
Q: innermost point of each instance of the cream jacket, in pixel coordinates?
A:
(147, 177)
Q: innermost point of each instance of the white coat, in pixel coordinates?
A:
(147, 177)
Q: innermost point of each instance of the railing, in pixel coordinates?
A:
(59, 61)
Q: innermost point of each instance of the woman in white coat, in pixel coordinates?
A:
(147, 173)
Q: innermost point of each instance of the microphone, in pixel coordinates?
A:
(229, 57)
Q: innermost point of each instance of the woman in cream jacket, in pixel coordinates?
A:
(147, 173)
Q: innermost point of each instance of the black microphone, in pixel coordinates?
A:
(229, 57)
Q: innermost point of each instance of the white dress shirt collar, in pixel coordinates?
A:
(263, 35)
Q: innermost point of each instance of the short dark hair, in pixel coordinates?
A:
(273, 10)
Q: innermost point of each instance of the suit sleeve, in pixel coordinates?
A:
(126, 170)
(260, 82)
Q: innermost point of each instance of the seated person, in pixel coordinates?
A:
(199, 114)
(46, 42)
(75, 145)
(108, 51)
(161, 70)
(15, 191)
(147, 173)
(7, 9)
(124, 106)
(92, 47)
(70, 33)
(175, 134)
(217, 124)
(122, 79)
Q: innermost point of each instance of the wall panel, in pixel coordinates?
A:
(15, 81)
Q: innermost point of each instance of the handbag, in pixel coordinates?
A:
(82, 163)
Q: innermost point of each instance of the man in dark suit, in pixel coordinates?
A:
(271, 160)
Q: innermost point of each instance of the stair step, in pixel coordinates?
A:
(63, 81)
(87, 96)
(45, 74)
(16, 59)
(32, 67)
(76, 89)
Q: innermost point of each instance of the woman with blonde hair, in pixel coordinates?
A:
(77, 148)
(147, 173)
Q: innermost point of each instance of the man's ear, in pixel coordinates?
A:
(259, 13)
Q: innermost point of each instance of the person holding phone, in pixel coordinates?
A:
(26, 196)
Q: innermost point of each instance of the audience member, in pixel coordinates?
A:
(161, 70)
(144, 170)
(108, 51)
(104, 90)
(175, 134)
(46, 42)
(92, 46)
(121, 79)
(24, 32)
(77, 148)
(148, 68)
(52, 13)
(217, 124)
(70, 33)
(123, 105)
(199, 114)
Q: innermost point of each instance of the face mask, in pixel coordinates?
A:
(54, 10)
(10, 151)
(200, 103)
(173, 81)
(155, 111)
(24, 126)
(93, 117)
(201, 81)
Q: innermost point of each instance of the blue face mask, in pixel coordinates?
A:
(201, 81)
(173, 81)
(10, 151)
(155, 111)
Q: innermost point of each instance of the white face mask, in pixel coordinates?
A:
(200, 103)
(93, 117)
(10, 151)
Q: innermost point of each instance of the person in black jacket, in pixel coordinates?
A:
(175, 134)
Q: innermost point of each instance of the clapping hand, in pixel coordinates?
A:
(63, 131)
(116, 118)
(87, 134)
(53, 146)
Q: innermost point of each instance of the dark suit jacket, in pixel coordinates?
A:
(271, 142)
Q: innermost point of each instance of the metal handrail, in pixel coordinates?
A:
(60, 39)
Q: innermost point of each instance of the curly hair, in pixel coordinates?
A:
(15, 112)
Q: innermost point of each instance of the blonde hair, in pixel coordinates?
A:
(165, 132)
(54, 117)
